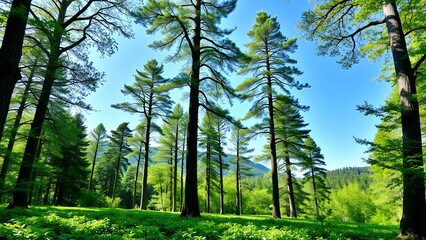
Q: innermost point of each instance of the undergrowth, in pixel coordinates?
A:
(92, 223)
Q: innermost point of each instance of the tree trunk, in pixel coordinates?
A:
(314, 186)
(175, 168)
(144, 191)
(289, 177)
(117, 169)
(20, 193)
(276, 213)
(191, 206)
(14, 131)
(93, 165)
(10, 55)
(46, 196)
(136, 177)
(208, 178)
(237, 180)
(221, 203)
(182, 165)
(413, 219)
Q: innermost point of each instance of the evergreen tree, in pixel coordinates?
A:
(10, 54)
(369, 28)
(193, 27)
(270, 66)
(119, 146)
(137, 143)
(290, 133)
(240, 139)
(312, 164)
(66, 26)
(97, 143)
(71, 166)
(152, 101)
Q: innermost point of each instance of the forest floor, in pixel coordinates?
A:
(96, 223)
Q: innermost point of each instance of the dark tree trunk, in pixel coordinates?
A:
(175, 169)
(237, 180)
(46, 196)
(93, 165)
(314, 186)
(191, 206)
(34, 174)
(136, 177)
(289, 177)
(10, 55)
(117, 168)
(221, 203)
(144, 191)
(182, 165)
(208, 178)
(14, 132)
(20, 193)
(276, 213)
(413, 221)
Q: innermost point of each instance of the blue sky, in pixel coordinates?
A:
(333, 96)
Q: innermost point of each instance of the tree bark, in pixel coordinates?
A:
(175, 168)
(144, 191)
(20, 193)
(237, 179)
(10, 55)
(135, 183)
(208, 178)
(276, 213)
(93, 164)
(413, 221)
(191, 206)
(14, 132)
(291, 199)
(221, 202)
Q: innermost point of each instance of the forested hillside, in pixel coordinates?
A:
(337, 179)
(199, 154)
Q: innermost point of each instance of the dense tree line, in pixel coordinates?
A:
(49, 157)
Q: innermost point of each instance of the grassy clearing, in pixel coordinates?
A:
(92, 223)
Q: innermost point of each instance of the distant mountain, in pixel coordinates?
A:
(336, 179)
(257, 168)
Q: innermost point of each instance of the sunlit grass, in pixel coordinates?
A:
(40, 222)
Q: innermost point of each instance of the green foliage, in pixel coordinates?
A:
(84, 223)
(92, 199)
(351, 203)
(339, 178)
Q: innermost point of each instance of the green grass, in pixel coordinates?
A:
(93, 223)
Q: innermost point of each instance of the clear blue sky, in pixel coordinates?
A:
(333, 95)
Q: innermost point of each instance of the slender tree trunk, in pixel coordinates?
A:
(175, 168)
(10, 55)
(135, 183)
(46, 196)
(237, 181)
(191, 206)
(208, 170)
(413, 221)
(291, 199)
(20, 193)
(314, 186)
(144, 191)
(182, 165)
(221, 202)
(14, 132)
(117, 171)
(93, 165)
(171, 179)
(276, 213)
(34, 173)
